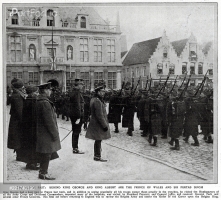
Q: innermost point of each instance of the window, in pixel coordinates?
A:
(192, 68)
(50, 18)
(16, 49)
(33, 78)
(165, 53)
(65, 24)
(137, 72)
(210, 69)
(111, 50)
(50, 52)
(84, 57)
(32, 52)
(160, 68)
(97, 50)
(200, 68)
(144, 71)
(17, 75)
(184, 68)
(112, 80)
(86, 77)
(70, 76)
(69, 52)
(98, 76)
(83, 22)
(15, 19)
(35, 22)
(172, 68)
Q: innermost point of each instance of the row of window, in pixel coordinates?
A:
(50, 21)
(84, 50)
(70, 76)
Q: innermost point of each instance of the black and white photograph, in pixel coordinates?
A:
(110, 93)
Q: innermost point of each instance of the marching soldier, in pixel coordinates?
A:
(87, 99)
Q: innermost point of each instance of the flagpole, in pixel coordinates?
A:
(52, 45)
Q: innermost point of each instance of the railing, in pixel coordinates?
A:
(48, 60)
(103, 27)
(32, 23)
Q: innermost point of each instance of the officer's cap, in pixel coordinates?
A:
(45, 86)
(31, 88)
(17, 83)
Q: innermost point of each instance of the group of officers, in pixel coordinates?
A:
(161, 110)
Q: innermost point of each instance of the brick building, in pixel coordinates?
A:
(59, 44)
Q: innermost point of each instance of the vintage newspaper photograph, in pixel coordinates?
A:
(110, 93)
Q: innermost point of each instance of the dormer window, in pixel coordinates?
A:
(211, 69)
(83, 22)
(50, 18)
(165, 53)
(160, 68)
(65, 24)
(15, 19)
(172, 68)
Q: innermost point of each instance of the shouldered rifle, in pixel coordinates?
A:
(168, 76)
(183, 80)
(181, 94)
(201, 85)
(146, 83)
(173, 84)
(133, 91)
(122, 87)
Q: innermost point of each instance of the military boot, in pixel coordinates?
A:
(196, 142)
(154, 141)
(210, 140)
(177, 145)
(150, 139)
(171, 141)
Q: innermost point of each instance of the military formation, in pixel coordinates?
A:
(163, 110)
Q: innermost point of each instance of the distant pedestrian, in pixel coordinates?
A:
(48, 141)
(15, 123)
(98, 128)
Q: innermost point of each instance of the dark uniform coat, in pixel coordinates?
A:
(140, 113)
(176, 112)
(98, 121)
(15, 124)
(115, 109)
(48, 140)
(76, 104)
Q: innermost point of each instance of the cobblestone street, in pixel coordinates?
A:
(129, 158)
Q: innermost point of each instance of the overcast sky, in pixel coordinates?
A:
(141, 22)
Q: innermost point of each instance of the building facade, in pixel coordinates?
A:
(59, 44)
(158, 57)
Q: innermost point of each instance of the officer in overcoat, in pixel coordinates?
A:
(98, 128)
(48, 141)
(15, 123)
(76, 113)
(29, 123)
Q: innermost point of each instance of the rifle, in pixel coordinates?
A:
(122, 87)
(183, 81)
(146, 83)
(201, 85)
(163, 87)
(173, 84)
(133, 92)
(181, 94)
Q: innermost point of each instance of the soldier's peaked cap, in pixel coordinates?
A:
(45, 86)
(78, 79)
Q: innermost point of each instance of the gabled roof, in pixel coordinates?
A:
(207, 47)
(179, 46)
(123, 54)
(141, 52)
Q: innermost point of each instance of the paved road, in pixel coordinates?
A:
(130, 159)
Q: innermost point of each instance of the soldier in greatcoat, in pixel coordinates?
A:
(98, 128)
(191, 118)
(76, 113)
(115, 110)
(48, 141)
(29, 125)
(15, 123)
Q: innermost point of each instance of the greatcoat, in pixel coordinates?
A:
(48, 140)
(98, 121)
